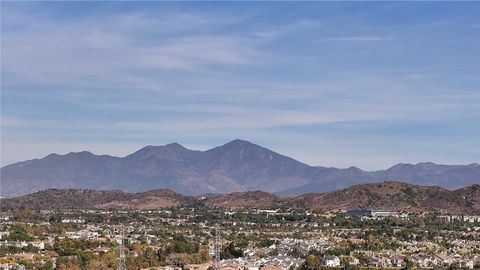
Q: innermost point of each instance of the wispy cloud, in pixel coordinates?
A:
(353, 39)
(161, 72)
(131, 45)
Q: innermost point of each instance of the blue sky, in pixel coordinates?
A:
(329, 83)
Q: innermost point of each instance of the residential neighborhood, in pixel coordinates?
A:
(254, 239)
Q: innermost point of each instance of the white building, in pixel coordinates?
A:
(38, 244)
(332, 261)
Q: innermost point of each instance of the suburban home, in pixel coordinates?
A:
(332, 261)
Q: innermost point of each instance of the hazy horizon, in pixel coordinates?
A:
(338, 84)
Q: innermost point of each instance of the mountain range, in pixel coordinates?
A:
(386, 195)
(237, 166)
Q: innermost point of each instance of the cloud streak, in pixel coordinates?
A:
(353, 39)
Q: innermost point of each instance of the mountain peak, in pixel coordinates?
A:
(235, 146)
(81, 153)
(52, 155)
(169, 150)
(176, 146)
(401, 165)
(239, 142)
(425, 164)
(71, 154)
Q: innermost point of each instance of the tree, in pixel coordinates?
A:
(150, 256)
(204, 255)
(47, 266)
(312, 262)
(231, 252)
(67, 263)
(274, 252)
(162, 255)
(409, 264)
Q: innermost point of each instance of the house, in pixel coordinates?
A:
(375, 262)
(422, 261)
(5, 233)
(398, 261)
(370, 213)
(7, 266)
(38, 244)
(21, 244)
(444, 259)
(471, 218)
(466, 264)
(332, 261)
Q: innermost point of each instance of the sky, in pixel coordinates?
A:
(341, 84)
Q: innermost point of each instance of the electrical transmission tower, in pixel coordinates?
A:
(122, 264)
(217, 246)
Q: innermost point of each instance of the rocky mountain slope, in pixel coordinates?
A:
(387, 195)
(237, 166)
(393, 196)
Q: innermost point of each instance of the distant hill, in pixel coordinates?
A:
(250, 199)
(393, 196)
(387, 195)
(237, 166)
(92, 199)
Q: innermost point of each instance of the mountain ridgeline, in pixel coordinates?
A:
(237, 166)
(386, 195)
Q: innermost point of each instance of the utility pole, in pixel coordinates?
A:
(122, 264)
(217, 247)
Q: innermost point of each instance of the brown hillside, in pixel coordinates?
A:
(393, 196)
(387, 195)
(251, 199)
(92, 199)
